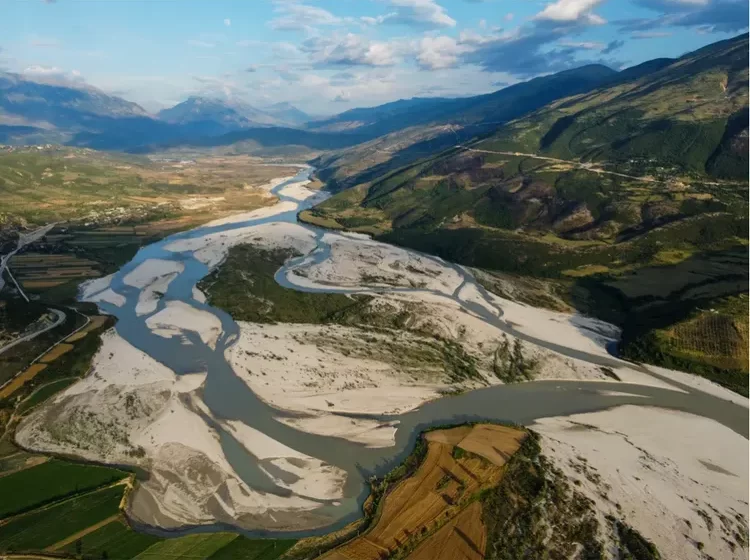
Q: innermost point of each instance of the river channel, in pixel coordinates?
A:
(229, 398)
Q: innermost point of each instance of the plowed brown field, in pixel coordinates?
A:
(463, 537)
(436, 496)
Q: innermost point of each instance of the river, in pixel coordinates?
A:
(229, 398)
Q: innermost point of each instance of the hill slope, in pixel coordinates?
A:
(603, 191)
(406, 130)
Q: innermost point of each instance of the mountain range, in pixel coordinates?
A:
(75, 114)
(34, 112)
(597, 192)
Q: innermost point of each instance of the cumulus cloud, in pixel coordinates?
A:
(228, 22)
(440, 52)
(351, 50)
(571, 11)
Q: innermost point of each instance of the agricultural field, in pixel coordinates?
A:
(50, 481)
(459, 464)
(76, 184)
(55, 359)
(462, 537)
(45, 527)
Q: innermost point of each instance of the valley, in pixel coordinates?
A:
(422, 347)
(502, 326)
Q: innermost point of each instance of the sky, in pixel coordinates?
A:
(326, 56)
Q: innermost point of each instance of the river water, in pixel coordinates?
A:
(229, 398)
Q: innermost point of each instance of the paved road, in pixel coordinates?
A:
(23, 240)
(59, 318)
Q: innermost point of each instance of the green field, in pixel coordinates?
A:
(191, 546)
(43, 393)
(50, 481)
(115, 541)
(243, 548)
(45, 527)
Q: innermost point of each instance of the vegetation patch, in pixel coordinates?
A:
(188, 547)
(51, 481)
(45, 527)
(244, 286)
(509, 363)
(113, 541)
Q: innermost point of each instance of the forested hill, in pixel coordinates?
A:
(591, 191)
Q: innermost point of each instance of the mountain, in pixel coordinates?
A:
(36, 112)
(418, 127)
(36, 109)
(287, 113)
(597, 190)
(221, 116)
(495, 107)
(388, 116)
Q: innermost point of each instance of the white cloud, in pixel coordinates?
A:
(439, 52)
(228, 22)
(420, 12)
(352, 50)
(585, 45)
(572, 11)
(53, 75)
(294, 16)
(509, 16)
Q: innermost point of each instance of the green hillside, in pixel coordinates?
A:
(603, 190)
(690, 115)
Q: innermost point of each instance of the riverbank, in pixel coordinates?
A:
(249, 390)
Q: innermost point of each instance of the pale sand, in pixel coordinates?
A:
(662, 467)
(298, 192)
(702, 384)
(571, 330)
(369, 432)
(199, 296)
(316, 479)
(211, 249)
(178, 316)
(148, 299)
(304, 368)
(89, 288)
(150, 270)
(107, 296)
(97, 290)
(358, 262)
(153, 277)
(132, 402)
(260, 213)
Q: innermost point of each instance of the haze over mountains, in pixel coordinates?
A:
(35, 112)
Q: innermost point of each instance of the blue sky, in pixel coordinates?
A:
(330, 55)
